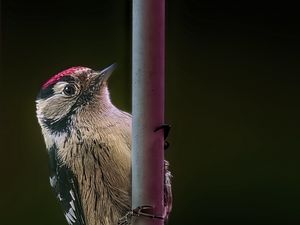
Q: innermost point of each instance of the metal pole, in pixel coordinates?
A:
(148, 107)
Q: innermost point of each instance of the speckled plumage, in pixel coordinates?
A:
(91, 140)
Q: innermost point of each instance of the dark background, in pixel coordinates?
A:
(232, 97)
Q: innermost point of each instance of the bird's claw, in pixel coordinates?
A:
(137, 212)
(166, 128)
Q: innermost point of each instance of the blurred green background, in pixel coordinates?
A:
(232, 97)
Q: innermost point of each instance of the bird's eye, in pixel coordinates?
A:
(69, 90)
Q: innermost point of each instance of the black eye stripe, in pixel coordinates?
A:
(48, 92)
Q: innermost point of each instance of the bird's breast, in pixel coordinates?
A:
(103, 171)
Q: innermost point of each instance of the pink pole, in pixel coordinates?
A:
(148, 53)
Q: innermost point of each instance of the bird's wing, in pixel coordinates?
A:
(65, 186)
(168, 198)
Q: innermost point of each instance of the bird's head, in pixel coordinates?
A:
(69, 92)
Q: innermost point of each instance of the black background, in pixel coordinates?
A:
(232, 97)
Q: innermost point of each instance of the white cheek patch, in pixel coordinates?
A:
(51, 139)
(59, 87)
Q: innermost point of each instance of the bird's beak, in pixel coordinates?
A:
(105, 74)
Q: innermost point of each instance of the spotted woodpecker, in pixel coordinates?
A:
(89, 145)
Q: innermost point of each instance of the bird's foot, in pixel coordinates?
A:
(137, 212)
(166, 128)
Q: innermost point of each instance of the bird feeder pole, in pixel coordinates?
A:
(148, 107)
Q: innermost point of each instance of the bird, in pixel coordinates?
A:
(88, 140)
